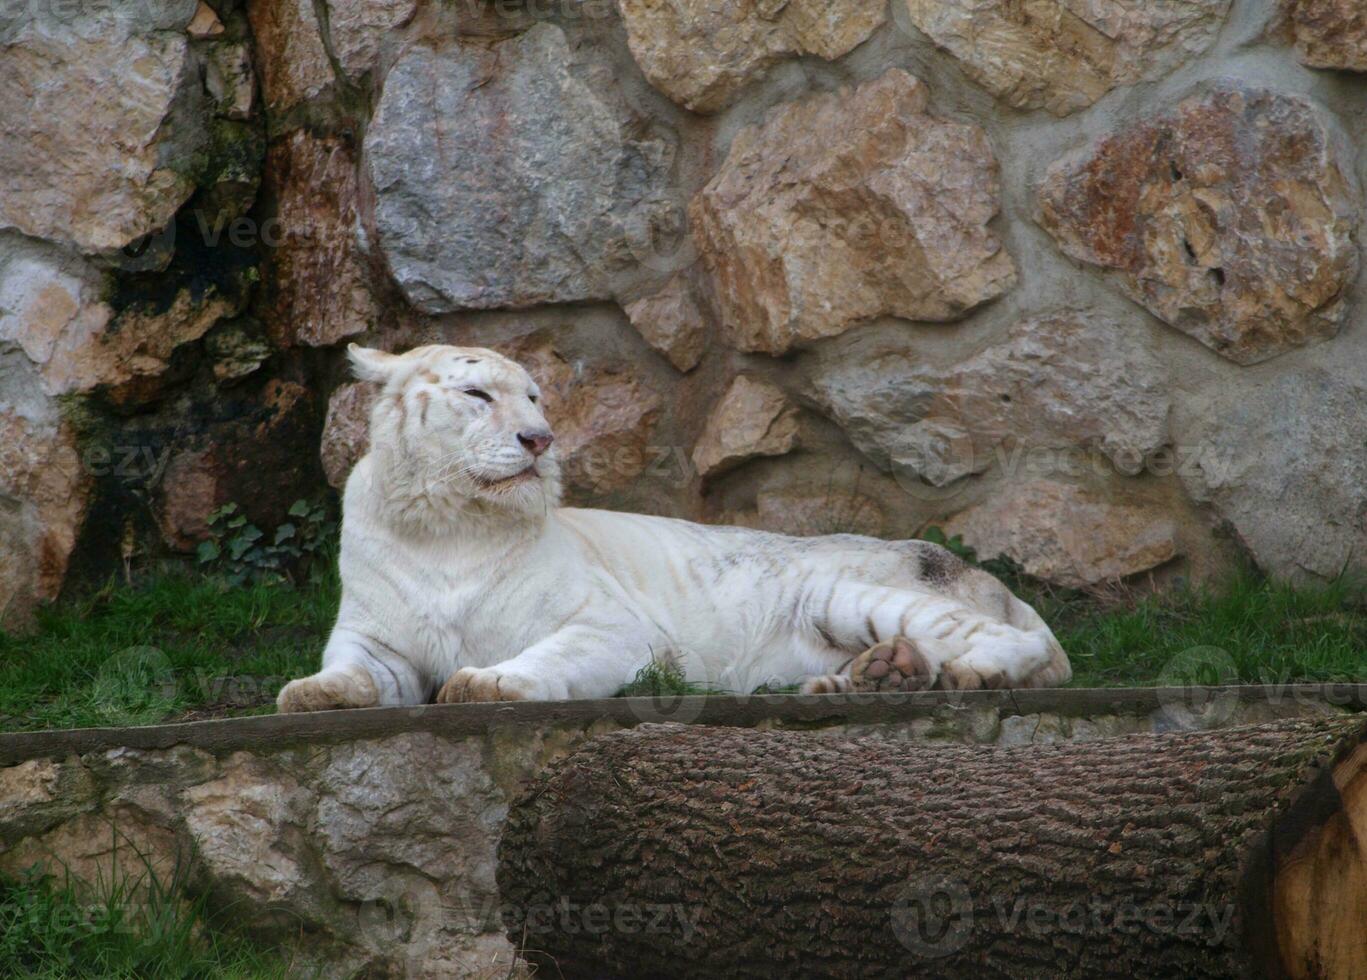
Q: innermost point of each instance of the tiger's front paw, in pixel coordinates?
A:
(329, 690)
(488, 684)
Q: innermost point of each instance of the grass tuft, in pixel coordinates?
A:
(131, 928)
(661, 678)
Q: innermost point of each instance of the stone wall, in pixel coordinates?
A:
(1078, 281)
(365, 842)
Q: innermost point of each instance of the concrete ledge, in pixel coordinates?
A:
(782, 710)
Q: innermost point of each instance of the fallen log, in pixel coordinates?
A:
(673, 851)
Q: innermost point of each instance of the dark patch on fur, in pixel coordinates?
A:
(940, 567)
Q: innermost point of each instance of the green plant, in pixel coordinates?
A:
(238, 551)
(661, 678)
(936, 535)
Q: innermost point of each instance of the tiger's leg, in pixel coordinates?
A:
(924, 639)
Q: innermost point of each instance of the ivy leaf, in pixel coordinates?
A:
(208, 551)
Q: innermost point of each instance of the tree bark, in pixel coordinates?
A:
(670, 851)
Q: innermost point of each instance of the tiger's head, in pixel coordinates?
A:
(459, 424)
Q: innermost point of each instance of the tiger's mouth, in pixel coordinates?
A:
(499, 483)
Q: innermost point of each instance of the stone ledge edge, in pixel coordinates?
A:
(779, 710)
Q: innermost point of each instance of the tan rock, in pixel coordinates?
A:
(205, 23)
(118, 847)
(230, 81)
(38, 794)
(45, 488)
(140, 341)
(816, 509)
(703, 54)
(320, 289)
(1066, 535)
(294, 64)
(359, 28)
(1230, 218)
(672, 321)
(1063, 55)
(846, 207)
(244, 824)
(1069, 382)
(236, 353)
(100, 127)
(1330, 33)
(346, 430)
(753, 418)
(603, 416)
(192, 489)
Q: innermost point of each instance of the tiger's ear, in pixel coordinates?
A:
(369, 364)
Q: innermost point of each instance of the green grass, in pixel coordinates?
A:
(178, 648)
(1248, 631)
(174, 647)
(131, 929)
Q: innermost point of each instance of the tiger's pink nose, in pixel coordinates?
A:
(537, 441)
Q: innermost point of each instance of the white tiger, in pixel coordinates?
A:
(462, 578)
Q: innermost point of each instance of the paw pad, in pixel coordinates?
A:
(893, 665)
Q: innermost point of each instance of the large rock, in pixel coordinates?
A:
(359, 28)
(1231, 218)
(702, 54)
(672, 321)
(1067, 535)
(1284, 464)
(293, 62)
(320, 290)
(846, 207)
(101, 121)
(1057, 384)
(753, 418)
(44, 490)
(1330, 33)
(510, 174)
(1063, 55)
